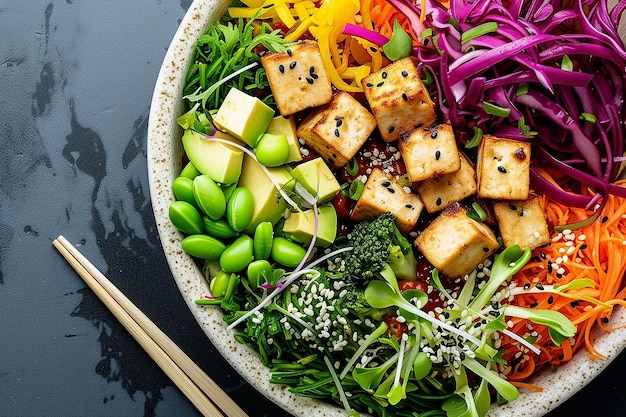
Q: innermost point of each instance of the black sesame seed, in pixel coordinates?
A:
(292, 65)
(409, 206)
(310, 80)
(550, 300)
(495, 305)
(434, 133)
(539, 286)
(533, 305)
(337, 132)
(391, 129)
(380, 84)
(512, 207)
(289, 52)
(438, 202)
(605, 219)
(339, 122)
(437, 155)
(385, 183)
(494, 313)
(405, 97)
(605, 320)
(574, 303)
(370, 85)
(314, 76)
(485, 250)
(527, 285)
(502, 169)
(477, 324)
(542, 254)
(405, 74)
(384, 74)
(425, 42)
(446, 314)
(311, 70)
(281, 68)
(550, 269)
(391, 190)
(334, 155)
(583, 246)
(373, 49)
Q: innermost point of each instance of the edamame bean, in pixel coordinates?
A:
(286, 252)
(422, 365)
(183, 190)
(240, 208)
(218, 228)
(190, 171)
(203, 246)
(185, 217)
(238, 255)
(259, 272)
(228, 190)
(209, 196)
(272, 150)
(263, 237)
(219, 284)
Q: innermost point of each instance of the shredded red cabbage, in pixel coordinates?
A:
(557, 67)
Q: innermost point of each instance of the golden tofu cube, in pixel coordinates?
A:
(337, 130)
(522, 222)
(298, 78)
(429, 152)
(398, 99)
(438, 192)
(382, 194)
(503, 169)
(456, 244)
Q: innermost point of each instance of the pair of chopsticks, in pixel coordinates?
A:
(201, 390)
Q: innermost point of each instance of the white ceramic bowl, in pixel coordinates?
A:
(164, 164)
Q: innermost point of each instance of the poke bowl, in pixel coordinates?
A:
(167, 159)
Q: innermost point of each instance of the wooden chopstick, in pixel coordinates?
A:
(201, 390)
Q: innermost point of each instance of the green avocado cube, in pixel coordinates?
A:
(287, 126)
(301, 226)
(219, 161)
(317, 178)
(243, 116)
(268, 204)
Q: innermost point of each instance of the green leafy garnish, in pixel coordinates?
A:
(400, 44)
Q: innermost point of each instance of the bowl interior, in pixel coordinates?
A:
(164, 164)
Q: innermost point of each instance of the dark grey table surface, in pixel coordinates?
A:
(76, 80)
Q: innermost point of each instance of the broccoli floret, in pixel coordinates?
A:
(379, 243)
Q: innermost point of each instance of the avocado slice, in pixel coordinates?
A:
(217, 160)
(268, 205)
(301, 226)
(287, 126)
(243, 116)
(317, 178)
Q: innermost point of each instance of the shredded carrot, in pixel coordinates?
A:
(597, 253)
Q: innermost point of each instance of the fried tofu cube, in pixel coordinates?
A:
(503, 169)
(398, 99)
(438, 192)
(454, 243)
(383, 194)
(337, 130)
(522, 222)
(298, 78)
(429, 152)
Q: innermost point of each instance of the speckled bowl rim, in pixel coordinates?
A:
(164, 152)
